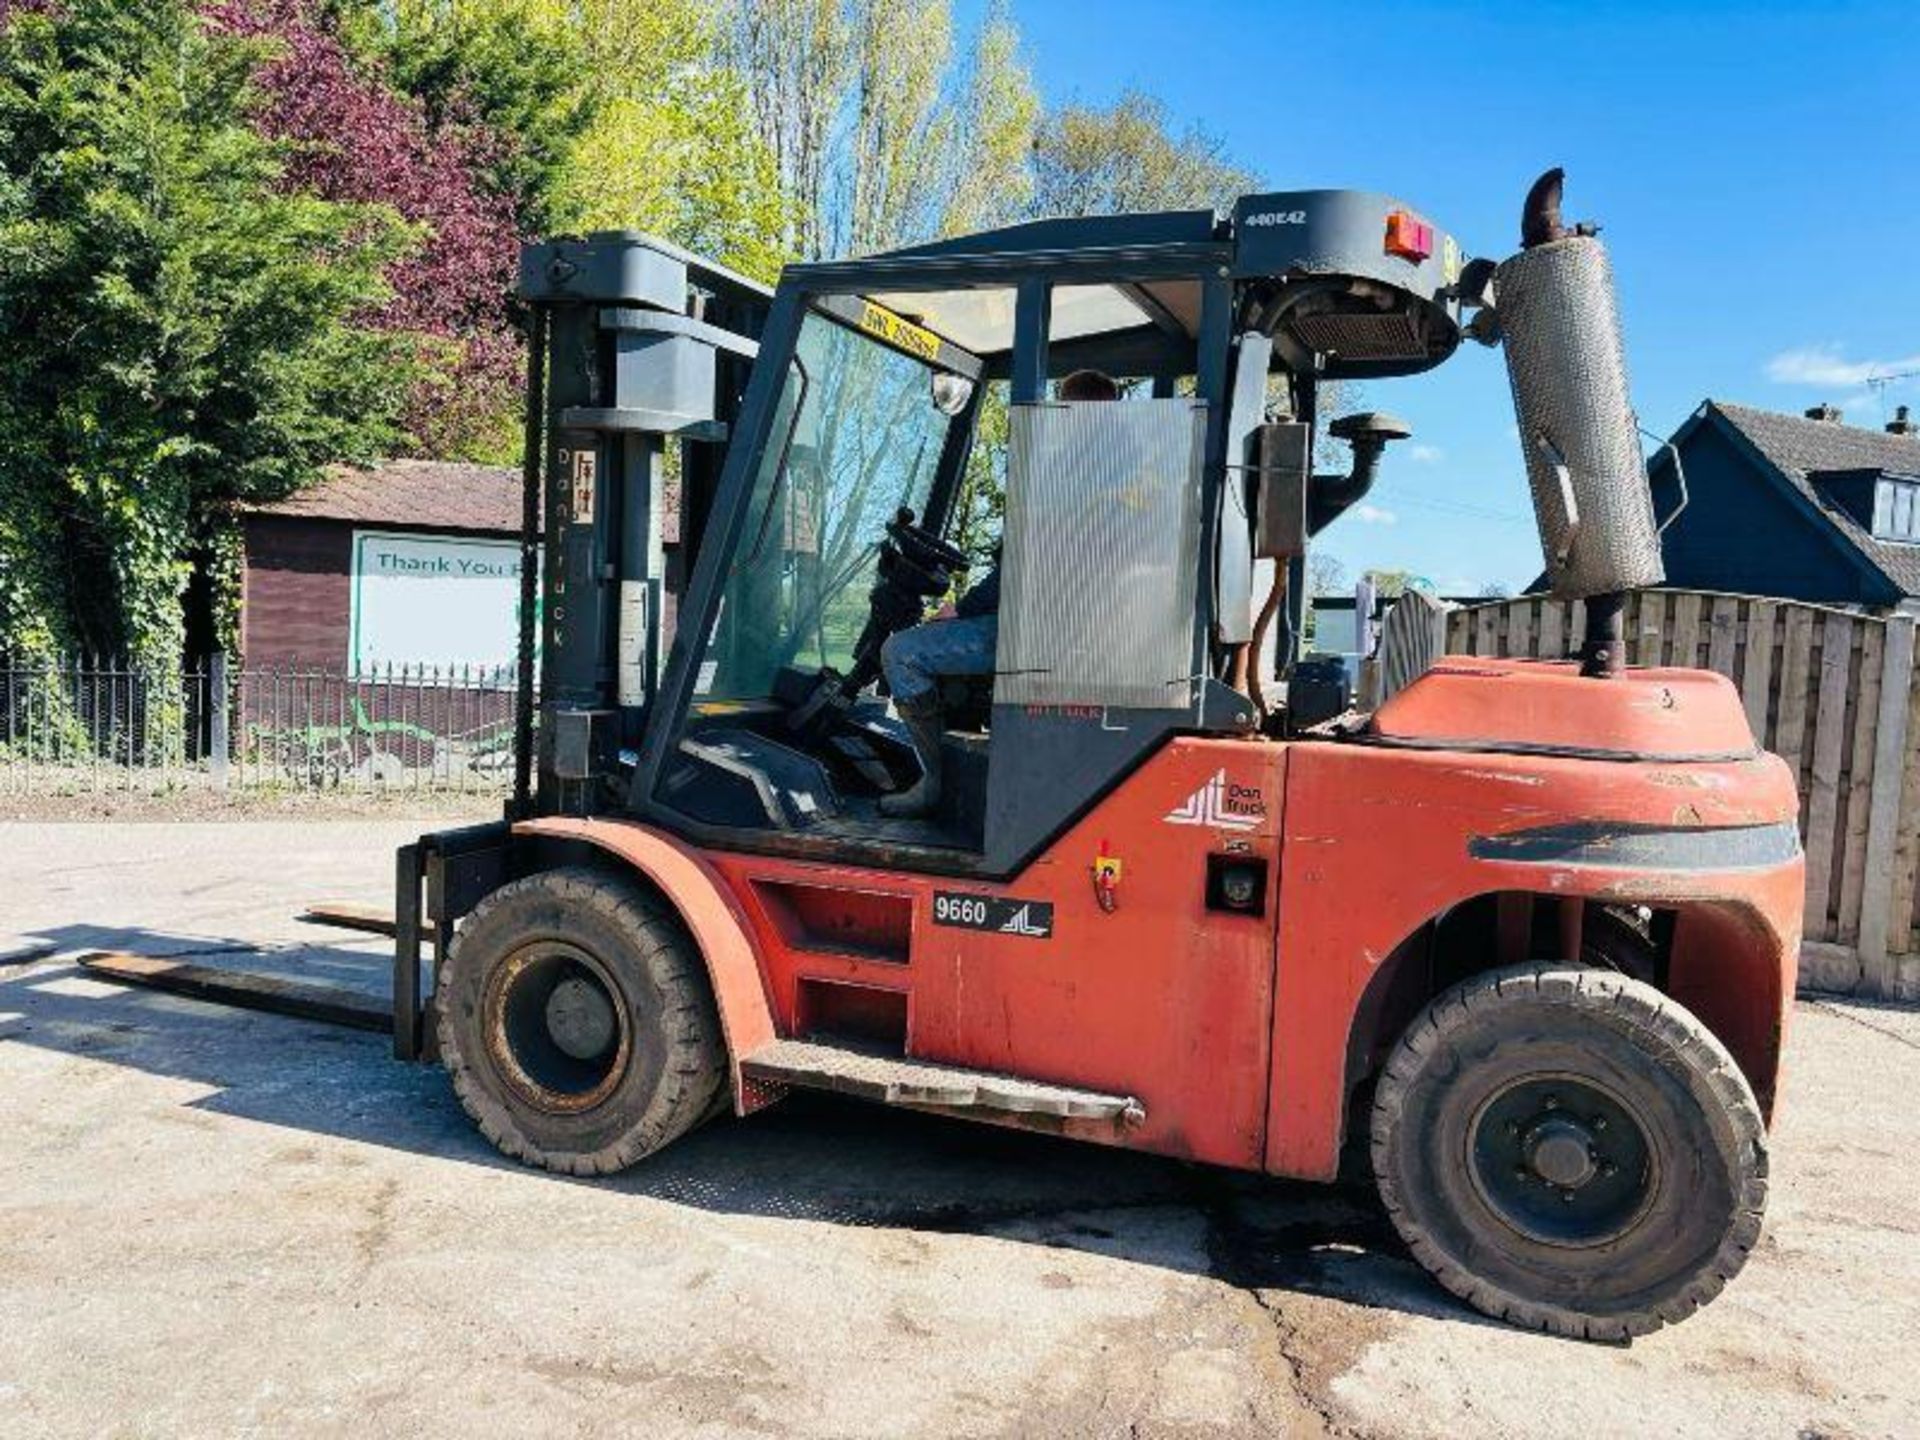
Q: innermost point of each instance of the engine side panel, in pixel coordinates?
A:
(1379, 841)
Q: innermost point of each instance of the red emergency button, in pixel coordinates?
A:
(1408, 236)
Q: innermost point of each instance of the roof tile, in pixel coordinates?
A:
(1801, 448)
(437, 494)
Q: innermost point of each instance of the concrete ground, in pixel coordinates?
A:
(219, 1223)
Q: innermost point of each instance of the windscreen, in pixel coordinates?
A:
(856, 436)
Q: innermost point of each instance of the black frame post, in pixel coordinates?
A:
(1032, 319)
(531, 476)
(406, 953)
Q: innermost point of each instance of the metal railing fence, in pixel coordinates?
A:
(87, 724)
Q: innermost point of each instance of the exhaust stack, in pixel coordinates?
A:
(1554, 307)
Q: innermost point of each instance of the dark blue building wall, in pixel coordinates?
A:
(1745, 530)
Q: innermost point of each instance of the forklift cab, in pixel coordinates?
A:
(1129, 535)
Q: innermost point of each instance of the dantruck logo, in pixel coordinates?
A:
(1005, 914)
(1021, 923)
(1221, 806)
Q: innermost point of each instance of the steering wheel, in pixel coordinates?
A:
(923, 547)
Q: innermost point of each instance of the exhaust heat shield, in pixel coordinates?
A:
(1556, 313)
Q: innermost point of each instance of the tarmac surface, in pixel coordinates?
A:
(221, 1223)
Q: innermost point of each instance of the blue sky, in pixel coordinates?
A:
(1756, 168)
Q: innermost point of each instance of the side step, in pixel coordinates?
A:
(891, 1080)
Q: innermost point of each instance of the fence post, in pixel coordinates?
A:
(217, 740)
(1883, 806)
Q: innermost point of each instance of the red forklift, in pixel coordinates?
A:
(1523, 938)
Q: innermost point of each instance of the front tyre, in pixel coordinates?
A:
(577, 1024)
(1569, 1150)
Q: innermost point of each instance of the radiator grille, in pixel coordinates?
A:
(1394, 335)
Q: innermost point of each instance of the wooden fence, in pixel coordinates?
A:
(1831, 691)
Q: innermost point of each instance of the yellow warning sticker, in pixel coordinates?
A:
(898, 331)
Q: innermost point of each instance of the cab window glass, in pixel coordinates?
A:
(858, 435)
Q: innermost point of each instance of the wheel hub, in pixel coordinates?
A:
(1562, 1160)
(556, 1028)
(580, 1018)
(1561, 1152)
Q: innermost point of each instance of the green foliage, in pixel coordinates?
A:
(1391, 584)
(617, 113)
(223, 555)
(520, 67)
(992, 182)
(878, 131)
(681, 163)
(1126, 157)
(175, 330)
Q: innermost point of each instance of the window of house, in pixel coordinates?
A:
(1896, 510)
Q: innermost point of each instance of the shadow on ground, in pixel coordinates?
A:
(812, 1158)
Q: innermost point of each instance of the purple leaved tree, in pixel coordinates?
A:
(354, 139)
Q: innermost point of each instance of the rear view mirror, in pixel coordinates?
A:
(951, 392)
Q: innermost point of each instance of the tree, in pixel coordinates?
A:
(605, 114)
(671, 146)
(876, 135)
(523, 68)
(1090, 161)
(350, 138)
(992, 180)
(612, 114)
(1391, 584)
(176, 329)
(1325, 574)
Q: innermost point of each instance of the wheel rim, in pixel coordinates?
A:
(557, 1028)
(1562, 1160)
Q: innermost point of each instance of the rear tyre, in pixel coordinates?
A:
(576, 1021)
(1569, 1150)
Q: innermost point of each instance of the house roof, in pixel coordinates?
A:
(1802, 450)
(417, 494)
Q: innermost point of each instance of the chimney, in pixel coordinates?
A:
(1900, 424)
(1825, 414)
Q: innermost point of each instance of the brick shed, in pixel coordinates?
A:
(409, 562)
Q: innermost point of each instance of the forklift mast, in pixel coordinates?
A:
(639, 354)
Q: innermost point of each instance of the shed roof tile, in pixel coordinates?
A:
(429, 494)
